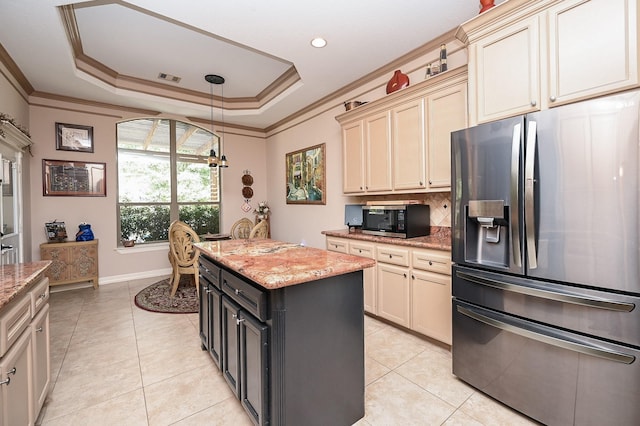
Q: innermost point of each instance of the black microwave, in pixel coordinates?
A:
(401, 221)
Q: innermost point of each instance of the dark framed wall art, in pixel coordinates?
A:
(73, 137)
(73, 178)
(305, 174)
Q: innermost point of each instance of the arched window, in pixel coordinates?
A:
(163, 175)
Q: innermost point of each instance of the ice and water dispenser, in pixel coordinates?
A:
(486, 233)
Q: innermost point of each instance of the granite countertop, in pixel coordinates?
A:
(16, 279)
(439, 239)
(275, 264)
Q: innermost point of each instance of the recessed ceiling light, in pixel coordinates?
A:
(318, 42)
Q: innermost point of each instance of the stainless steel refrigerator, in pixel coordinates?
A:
(546, 278)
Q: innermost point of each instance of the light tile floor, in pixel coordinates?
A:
(116, 364)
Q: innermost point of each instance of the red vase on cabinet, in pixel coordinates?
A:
(486, 5)
(397, 82)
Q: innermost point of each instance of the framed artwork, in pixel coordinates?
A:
(72, 137)
(305, 174)
(73, 178)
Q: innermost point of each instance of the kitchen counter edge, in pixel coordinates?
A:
(17, 279)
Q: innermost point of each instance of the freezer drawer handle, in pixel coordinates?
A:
(576, 299)
(581, 347)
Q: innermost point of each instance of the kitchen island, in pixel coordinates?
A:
(285, 324)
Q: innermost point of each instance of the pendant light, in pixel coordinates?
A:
(213, 159)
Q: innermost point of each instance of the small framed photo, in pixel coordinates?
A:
(73, 137)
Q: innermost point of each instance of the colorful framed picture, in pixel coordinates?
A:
(305, 174)
(72, 137)
(73, 178)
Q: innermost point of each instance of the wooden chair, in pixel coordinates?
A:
(241, 229)
(182, 254)
(261, 230)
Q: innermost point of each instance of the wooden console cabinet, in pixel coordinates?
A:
(72, 262)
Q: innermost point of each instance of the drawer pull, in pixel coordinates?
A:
(43, 295)
(39, 330)
(238, 291)
(239, 320)
(390, 256)
(430, 263)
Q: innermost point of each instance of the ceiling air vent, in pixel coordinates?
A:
(169, 77)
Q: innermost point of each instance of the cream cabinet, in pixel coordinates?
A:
(408, 286)
(526, 56)
(431, 294)
(25, 356)
(369, 277)
(353, 157)
(401, 143)
(409, 148)
(364, 249)
(446, 111)
(394, 292)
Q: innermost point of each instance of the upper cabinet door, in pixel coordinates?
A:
(505, 79)
(593, 48)
(353, 157)
(377, 130)
(446, 112)
(409, 161)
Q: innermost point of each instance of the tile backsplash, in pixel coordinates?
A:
(439, 205)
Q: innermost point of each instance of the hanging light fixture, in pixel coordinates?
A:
(213, 159)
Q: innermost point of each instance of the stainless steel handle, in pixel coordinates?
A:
(515, 209)
(529, 196)
(566, 297)
(39, 330)
(238, 291)
(549, 339)
(239, 320)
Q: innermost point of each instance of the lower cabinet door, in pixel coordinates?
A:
(394, 301)
(204, 314)
(16, 395)
(41, 358)
(254, 389)
(215, 325)
(231, 344)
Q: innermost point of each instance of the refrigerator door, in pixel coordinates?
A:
(582, 202)
(487, 182)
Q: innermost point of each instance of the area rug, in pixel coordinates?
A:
(156, 297)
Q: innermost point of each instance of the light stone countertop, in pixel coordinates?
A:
(16, 279)
(275, 264)
(438, 239)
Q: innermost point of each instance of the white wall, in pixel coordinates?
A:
(243, 152)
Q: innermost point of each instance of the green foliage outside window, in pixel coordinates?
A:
(151, 223)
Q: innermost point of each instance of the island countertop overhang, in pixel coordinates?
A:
(275, 264)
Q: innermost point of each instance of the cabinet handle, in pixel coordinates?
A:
(238, 291)
(208, 291)
(405, 275)
(413, 277)
(421, 183)
(552, 98)
(8, 379)
(430, 183)
(390, 256)
(533, 103)
(239, 320)
(360, 188)
(39, 330)
(43, 295)
(430, 263)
